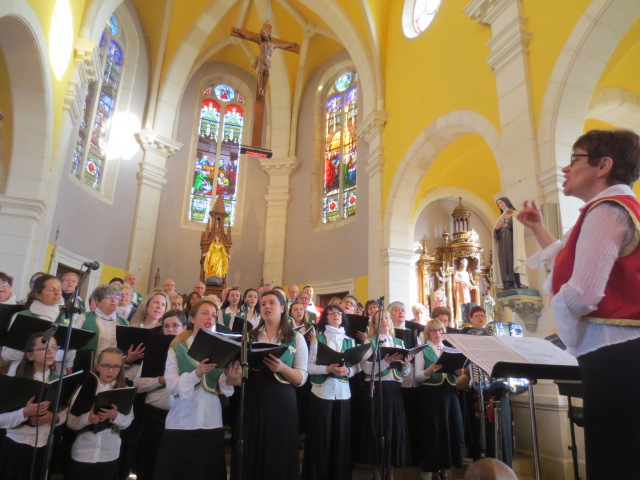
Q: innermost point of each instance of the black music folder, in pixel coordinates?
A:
(127, 337)
(356, 323)
(155, 355)
(219, 348)
(6, 314)
(15, 392)
(24, 326)
(451, 360)
(259, 351)
(350, 357)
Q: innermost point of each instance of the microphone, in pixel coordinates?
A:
(380, 301)
(91, 265)
(51, 331)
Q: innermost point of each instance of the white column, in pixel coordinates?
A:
(400, 266)
(370, 130)
(151, 179)
(277, 197)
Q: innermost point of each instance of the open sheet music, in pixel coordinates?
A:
(487, 351)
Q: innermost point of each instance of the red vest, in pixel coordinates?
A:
(620, 305)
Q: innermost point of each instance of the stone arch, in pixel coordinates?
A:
(26, 55)
(23, 201)
(398, 219)
(576, 73)
(616, 106)
(96, 17)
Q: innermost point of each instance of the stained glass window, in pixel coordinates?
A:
(340, 148)
(424, 12)
(218, 152)
(90, 151)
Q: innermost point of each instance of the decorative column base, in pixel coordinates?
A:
(525, 303)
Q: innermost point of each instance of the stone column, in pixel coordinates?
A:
(398, 263)
(151, 179)
(370, 130)
(277, 197)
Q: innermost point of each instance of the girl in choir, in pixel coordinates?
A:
(194, 421)
(250, 307)
(396, 442)
(16, 457)
(297, 312)
(157, 403)
(441, 418)
(231, 306)
(95, 456)
(270, 422)
(43, 302)
(327, 453)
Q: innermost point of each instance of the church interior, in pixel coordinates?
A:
(391, 126)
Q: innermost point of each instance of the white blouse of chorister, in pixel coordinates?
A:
(368, 366)
(98, 447)
(192, 407)
(420, 366)
(334, 389)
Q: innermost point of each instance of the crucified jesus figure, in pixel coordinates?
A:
(262, 63)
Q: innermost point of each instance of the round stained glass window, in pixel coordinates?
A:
(343, 82)
(224, 93)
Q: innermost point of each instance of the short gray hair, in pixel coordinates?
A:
(396, 304)
(103, 291)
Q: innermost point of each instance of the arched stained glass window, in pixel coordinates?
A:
(340, 148)
(219, 137)
(90, 152)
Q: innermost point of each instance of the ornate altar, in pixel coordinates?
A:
(214, 250)
(436, 271)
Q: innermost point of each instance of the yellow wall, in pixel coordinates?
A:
(362, 289)
(109, 272)
(466, 163)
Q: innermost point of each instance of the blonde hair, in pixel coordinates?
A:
(373, 324)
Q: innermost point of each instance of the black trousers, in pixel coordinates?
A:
(327, 452)
(611, 382)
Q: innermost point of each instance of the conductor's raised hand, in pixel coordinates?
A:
(530, 215)
(204, 367)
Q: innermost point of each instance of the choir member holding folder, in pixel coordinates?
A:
(43, 302)
(394, 367)
(16, 456)
(440, 417)
(157, 400)
(194, 421)
(270, 422)
(327, 453)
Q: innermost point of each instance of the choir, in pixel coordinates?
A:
(151, 409)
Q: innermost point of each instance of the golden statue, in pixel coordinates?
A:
(216, 261)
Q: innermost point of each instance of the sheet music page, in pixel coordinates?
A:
(538, 350)
(484, 351)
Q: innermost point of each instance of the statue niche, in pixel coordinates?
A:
(454, 276)
(215, 244)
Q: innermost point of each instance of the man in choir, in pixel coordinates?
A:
(130, 279)
(593, 282)
(311, 307)
(6, 295)
(349, 303)
(117, 281)
(169, 285)
(293, 295)
(200, 288)
(126, 308)
(69, 283)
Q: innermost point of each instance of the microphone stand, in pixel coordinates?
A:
(67, 312)
(377, 359)
(244, 363)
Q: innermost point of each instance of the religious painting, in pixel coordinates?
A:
(340, 149)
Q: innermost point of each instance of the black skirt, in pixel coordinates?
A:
(441, 426)
(394, 422)
(270, 431)
(191, 455)
(16, 460)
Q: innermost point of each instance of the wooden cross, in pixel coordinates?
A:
(262, 64)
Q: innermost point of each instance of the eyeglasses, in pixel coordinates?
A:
(113, 297)
(106, 366)
(436, 330)
(576, 156)
(4, 283)
(335, 312)
(47, 349)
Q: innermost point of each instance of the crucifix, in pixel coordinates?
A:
(262, 64)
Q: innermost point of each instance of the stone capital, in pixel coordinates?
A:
(375, 162)
(485, 12)
(151, 175)
(85, 58)
(280, 165)
(21, 207)
(153, 142)
(372, 126)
